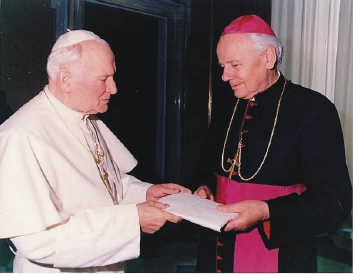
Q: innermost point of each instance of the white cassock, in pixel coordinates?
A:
(53, 203)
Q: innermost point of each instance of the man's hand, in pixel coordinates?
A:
(152, 216)
(155, 192)
(204, 192)
(250, 212)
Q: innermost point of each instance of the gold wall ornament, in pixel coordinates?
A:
(210, 91)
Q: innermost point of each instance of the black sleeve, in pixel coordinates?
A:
(327, 200)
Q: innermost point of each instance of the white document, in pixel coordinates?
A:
(199, 211)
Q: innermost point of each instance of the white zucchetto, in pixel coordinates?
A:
(73, 37)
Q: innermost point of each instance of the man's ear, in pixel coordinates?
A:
(271, 57)
(64, 79)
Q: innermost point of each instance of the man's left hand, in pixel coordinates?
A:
(250, 212)
(155, 192)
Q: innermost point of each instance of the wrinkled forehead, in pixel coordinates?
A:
(233, 47)
(96, 58)
(94, 48)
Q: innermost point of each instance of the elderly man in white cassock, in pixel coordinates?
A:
(66, 200)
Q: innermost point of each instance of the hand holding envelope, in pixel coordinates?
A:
(199, 211)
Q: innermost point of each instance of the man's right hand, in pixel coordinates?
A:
(153, 217)
(204, 192)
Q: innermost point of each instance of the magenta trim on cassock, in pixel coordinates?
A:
(250, 254)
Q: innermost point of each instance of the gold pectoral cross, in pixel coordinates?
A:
(104, 176)
(234, 162)
(98, 157)
(103, 173)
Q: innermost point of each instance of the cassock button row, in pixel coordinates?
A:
(248, 117)
(252, 104)
(219, 258)
(219, 244)
(244, 131)
(234, 173)
(219, 271)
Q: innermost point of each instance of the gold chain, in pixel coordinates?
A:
(226, 139)
(238, 153)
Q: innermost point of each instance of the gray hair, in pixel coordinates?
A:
(262, 41)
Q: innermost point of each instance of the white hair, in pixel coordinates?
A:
(262, 41)
(67, 50)
(61, 58)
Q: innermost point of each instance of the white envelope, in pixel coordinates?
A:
(199, 211)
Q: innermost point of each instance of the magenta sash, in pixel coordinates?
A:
(250, 254)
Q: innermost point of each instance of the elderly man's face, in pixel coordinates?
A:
(91, 79)
(246, 70)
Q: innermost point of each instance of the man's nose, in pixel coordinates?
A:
(226, 76)
(111, 86)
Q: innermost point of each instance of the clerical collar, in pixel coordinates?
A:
(279, 75)
(271, 94)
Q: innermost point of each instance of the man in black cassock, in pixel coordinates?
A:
(278, 160)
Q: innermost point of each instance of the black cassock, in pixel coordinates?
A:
(307, 148)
